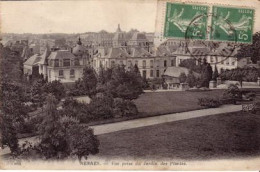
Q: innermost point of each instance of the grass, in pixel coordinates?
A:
(158, 103)
(212, 137)
(161, 103)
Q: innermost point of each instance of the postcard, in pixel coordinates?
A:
(130, 85)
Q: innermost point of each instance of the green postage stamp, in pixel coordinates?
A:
(232, 24)
(180, 17)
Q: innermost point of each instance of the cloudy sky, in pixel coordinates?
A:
(87, 15)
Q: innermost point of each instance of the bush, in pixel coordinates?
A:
(256, 109)
(209, 102)
(233, 93)
(73, 108)
(124, 108)
(101, 107)
(249, 96)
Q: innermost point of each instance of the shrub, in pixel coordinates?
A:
(76, 109)
(256, 109)
(250, 95)
(101, 107)
(124, 108)
(233, 93)
(209, 102)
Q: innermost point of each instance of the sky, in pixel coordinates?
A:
(87, 15)
(77, 16)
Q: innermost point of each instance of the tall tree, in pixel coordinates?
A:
(12, 115)
(206, 74)
(215, 73)
(182, 77)
(191, 79)
(37, 92)
(56, 88)
(88, 83)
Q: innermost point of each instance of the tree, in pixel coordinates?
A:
(87, 85)
(101, 106)
(125, 84)
(124, 107)
(73, 108)
(182, 77)
(37, 92)
(191, 79)
(233, 93)
(215, 74)
(56, 88)
(206, 74)
(60, 135)
(12, 115)
(251, 50)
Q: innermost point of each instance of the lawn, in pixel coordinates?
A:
(157, 103)
(212, 137)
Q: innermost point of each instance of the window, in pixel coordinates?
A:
(165, 63)
(72, 72)
(129, 63)
(49, 74)
(121, 62)
(136, 62)
(151, 73)
(157, 73)
(56, 63)
(151, 63)
(227, 62)
(158, 63)
(112, 63)
(144, 73)
(61, 73)
(144, 64)
(233, 62)
(76, 62)
(172, 62)
(66, 62)
(211, 60)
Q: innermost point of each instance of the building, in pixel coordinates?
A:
(119, 39)
(172, 74)
(63, 65)
(151, 63)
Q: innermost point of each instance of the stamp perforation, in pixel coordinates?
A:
(209, 21)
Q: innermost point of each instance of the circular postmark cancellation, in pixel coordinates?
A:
(201, 48)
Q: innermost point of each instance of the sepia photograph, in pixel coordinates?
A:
(130, 85)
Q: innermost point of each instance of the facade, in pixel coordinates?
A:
(151, 64)
(63, 65)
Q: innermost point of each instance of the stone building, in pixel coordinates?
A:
(63, 65)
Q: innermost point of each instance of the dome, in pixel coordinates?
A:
(79, 49)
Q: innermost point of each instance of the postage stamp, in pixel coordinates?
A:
(179, 17)
(229, 23)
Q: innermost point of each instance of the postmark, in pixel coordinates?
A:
(179, 16)
(241, 20)
(199, 49)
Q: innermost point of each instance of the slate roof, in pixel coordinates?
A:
(33, 60)
(139, 36)
(61, 54)
(176, 71)
(139, 52)
(117, 53)
(44, 57)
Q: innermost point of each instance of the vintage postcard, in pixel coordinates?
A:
(130, 85)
